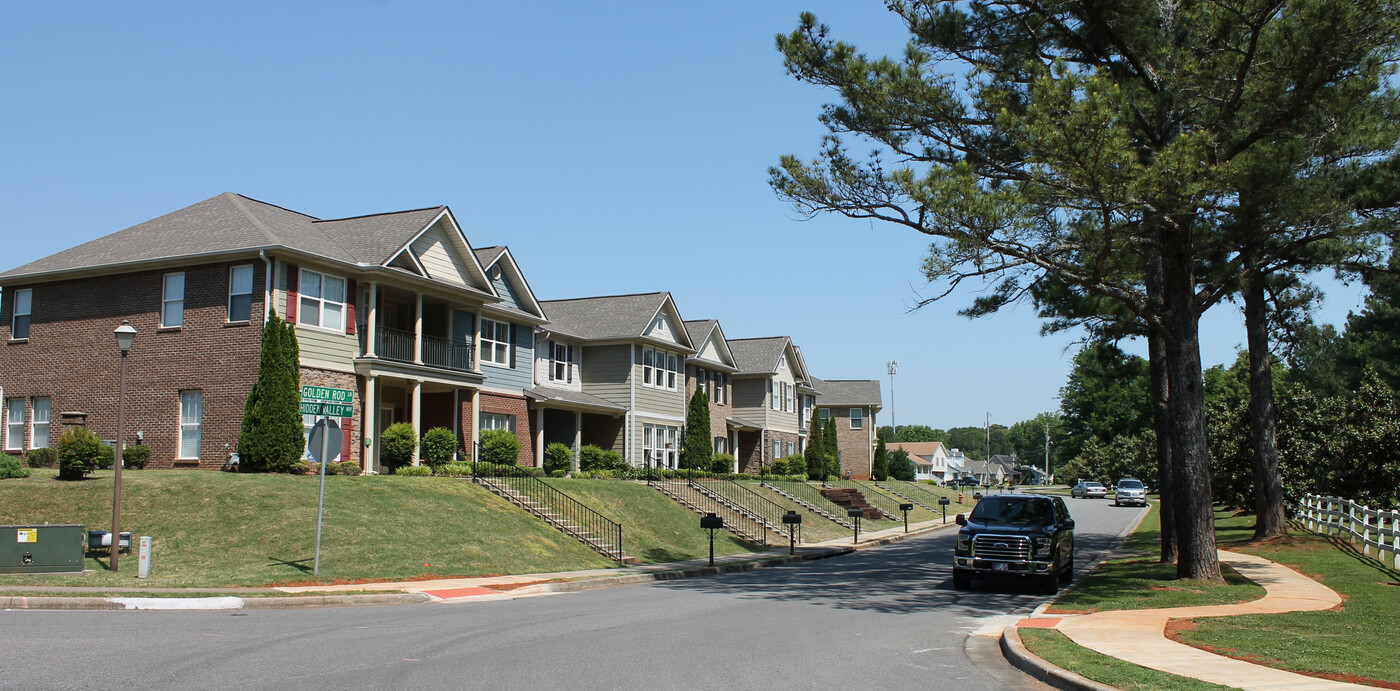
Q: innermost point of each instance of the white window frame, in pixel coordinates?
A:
(319, 304)
(234, 291)
(673, 370)
(777, 449)
(35, 423)
(647, 356)
(791, 398)
(14, 428)
(503, 421)
(169, 301)
(721, 444)
(772, 394)
(490, 345)
(26, 312)
(672, 448)
(188, 427)
(857, 416)
(559, 355)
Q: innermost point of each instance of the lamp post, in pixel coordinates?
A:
(893, 368)
(125, 336)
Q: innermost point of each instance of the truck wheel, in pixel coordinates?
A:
(1050, 583)
(962, 580)
(1067, 573)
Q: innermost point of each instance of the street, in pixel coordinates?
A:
(885, 617)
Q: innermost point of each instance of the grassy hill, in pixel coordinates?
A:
(222, 529)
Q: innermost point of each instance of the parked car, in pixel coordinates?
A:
(1021, 535)
(1129, 491)
(1088, 489)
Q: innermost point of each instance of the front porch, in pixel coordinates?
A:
(416, 328)
(421, 395)
(575, 420)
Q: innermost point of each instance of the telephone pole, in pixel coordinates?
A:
(892, 367)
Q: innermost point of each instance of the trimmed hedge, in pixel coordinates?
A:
(136, 456)
(43, 458)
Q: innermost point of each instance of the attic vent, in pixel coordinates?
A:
(495, 272)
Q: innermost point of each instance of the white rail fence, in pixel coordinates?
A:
(1376, 529)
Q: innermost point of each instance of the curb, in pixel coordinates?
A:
(1036, 667)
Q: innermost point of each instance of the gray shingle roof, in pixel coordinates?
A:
(229, 223)
(848, 392)
(486, 255)
(758, 355)
(604, 318)
(698, 329)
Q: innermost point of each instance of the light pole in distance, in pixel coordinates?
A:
(125, 336)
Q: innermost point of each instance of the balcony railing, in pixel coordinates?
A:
(393, 344)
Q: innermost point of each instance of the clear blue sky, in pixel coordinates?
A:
(616, 147)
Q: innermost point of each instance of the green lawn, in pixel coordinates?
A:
(223, 529)
(1059, 650)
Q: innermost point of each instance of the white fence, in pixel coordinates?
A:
(1376, 529)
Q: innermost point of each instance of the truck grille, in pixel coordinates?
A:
(1009, 547)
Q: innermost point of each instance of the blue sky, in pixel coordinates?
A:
(615, 147)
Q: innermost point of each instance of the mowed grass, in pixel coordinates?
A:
(654, 527)
(1142, 582)
(1059, 650)
(1354, 643)
(223, 529)
(815, 527)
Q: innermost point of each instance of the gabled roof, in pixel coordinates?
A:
(492, 256)
(613, 317)
(927, 449)
(232, 224)
(758, 355)
(848, 392)
(702, 330)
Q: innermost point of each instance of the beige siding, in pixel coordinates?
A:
(439, 256)
(660, 401)
(605, 372)
(315, 344)
(750, 398)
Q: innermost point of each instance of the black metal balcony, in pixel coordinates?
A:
(396, 345)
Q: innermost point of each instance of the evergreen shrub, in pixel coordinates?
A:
(558, 457)
(10, 467)
(42, 458)
(500, 446)
(79, 451)
(136, 456)
(439, 446)
(396, 445)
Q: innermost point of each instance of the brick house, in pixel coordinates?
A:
(853, 403)
(772, 395)
(394, 307)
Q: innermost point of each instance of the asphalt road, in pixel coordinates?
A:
(880, 618)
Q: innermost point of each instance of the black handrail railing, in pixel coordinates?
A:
(767, 511)
(915, 491)
(689, 487)
(879, 500)
(397, 345)
(811, 497)
(903, 492)
(561, 510)
(392, 344)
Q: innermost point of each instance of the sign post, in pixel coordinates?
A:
(324, 403)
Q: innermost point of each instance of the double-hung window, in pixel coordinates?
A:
(673, 368)
(490, 421)
(14, 424)
(721, 388)
(172, 301)
(791, 401)
(322, 301)
(495, 342)
(646, 366)
(823, 414)
(191, 414)
(240, 293)
(19, 323)
(39, 423)
(559, 364)
(857, 421)
(777, 450)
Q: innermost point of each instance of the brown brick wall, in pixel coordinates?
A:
(71, 357)
(719, 412)
(855, 444)
(351, 447)
(524, 422)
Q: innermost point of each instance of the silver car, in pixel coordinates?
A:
(1088, 489)
(1130, 492)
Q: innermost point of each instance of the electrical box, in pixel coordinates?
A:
(41, 548)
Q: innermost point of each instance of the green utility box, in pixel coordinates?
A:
(41, 548)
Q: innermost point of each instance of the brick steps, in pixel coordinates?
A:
(853, 499)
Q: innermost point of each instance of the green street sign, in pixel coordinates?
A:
(327, 409)
(321, 393)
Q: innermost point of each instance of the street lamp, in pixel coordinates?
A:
(893, 368)
(125, 336)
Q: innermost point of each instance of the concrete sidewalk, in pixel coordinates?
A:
(1139, 636)
(444, 590)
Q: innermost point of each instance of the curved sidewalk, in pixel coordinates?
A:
(1139, 636)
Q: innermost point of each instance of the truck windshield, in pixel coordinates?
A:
(1013, 511)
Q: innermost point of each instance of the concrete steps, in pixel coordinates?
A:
(555, 520)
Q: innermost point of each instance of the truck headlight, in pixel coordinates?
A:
(964, 545)
(1040, 545)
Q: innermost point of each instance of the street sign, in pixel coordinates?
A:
(327, 409)
(324, 441)
(321, 393)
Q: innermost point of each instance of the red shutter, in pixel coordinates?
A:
(346, 449)
(350, 298)
(292, 298)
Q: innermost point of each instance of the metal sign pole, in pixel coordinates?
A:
(321, 502)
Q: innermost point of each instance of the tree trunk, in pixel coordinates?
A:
(1195, 521)
(1161, 423)
(1268, 484)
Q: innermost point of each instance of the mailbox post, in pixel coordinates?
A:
(943, 504)
(856, 514)
(793, 521)
(906, 508)
(711, 523)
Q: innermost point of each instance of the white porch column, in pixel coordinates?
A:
(417, 416)
(476, 421)
(539, 437)
(476, 346)
(369, 432)
(418, 332)
(371, 326)
(578, 435)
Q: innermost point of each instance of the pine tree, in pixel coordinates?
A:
(833, 452)
(815, 453)
(271, 438)
(695, 447)
(880, 469)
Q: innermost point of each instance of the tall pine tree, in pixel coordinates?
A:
(695, 447)
(271, 438)
(815, 453)
(880, 469)
(833, 452)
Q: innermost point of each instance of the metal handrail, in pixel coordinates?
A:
(886, 505)
(572, 516)
(759, 507)
(810, 497)
(688, 487)
(901, 485)
(397, 345)
(904, 493)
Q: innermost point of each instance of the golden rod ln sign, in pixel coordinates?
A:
(321, 400)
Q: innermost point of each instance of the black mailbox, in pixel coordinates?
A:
(792, 518)
(711, 522)
(943, 501)
(855, 513)
(906, 507)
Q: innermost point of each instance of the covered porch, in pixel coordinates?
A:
(573, 419)
(423, 396)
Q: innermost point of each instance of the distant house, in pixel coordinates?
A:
(853, 403)
(931, 459)
(711, 369)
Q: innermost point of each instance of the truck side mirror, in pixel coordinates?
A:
(960, 520)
